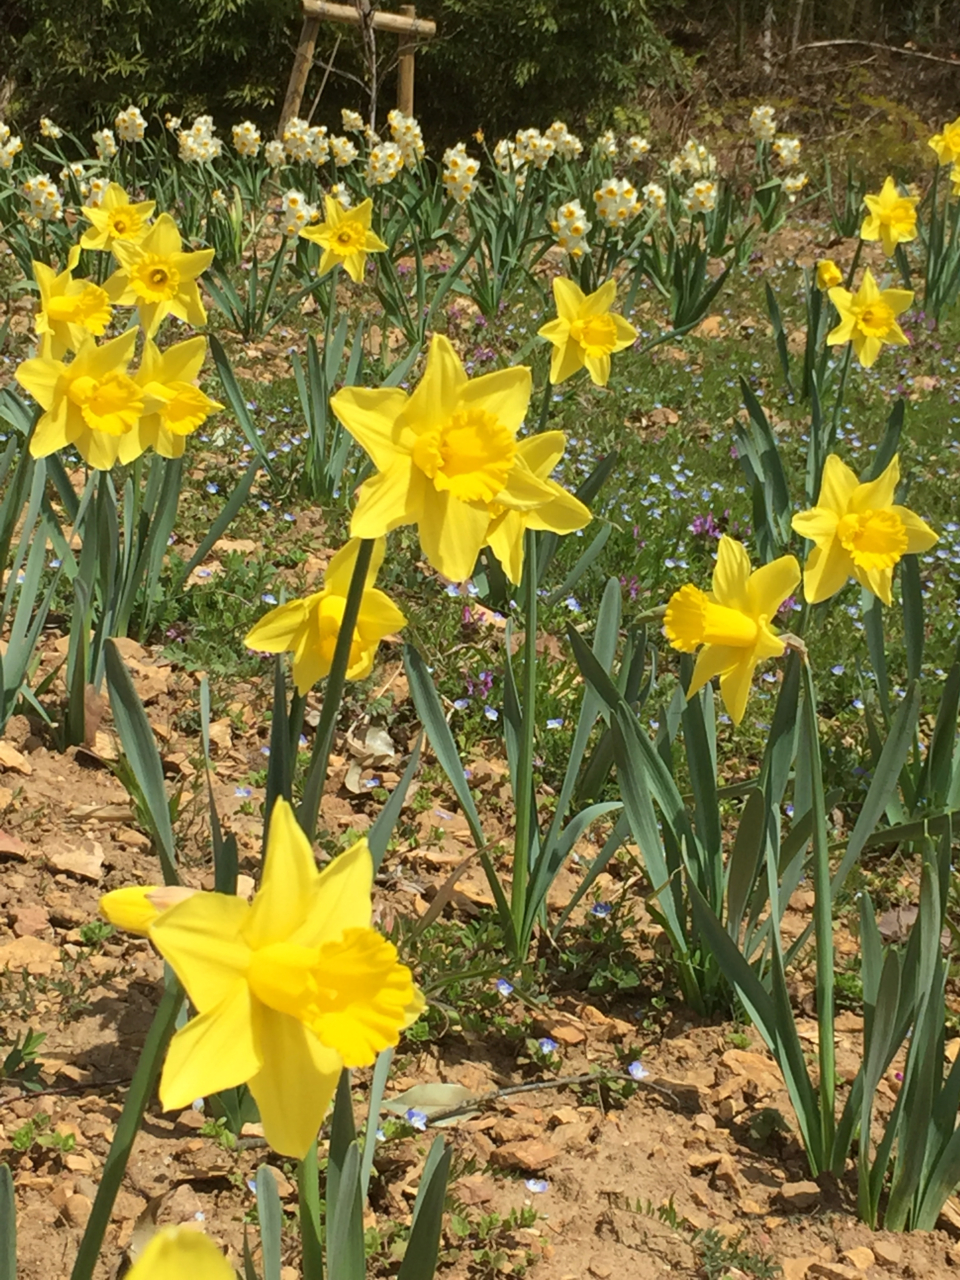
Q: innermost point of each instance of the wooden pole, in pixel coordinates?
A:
(406, 49)
(422, 28)
(302, 63)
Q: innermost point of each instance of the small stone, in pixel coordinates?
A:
(834, 1271)
(600, 1270)
(705, 1121)
(30, 954)
(83, 863)
(530, 1156)
(799, 1195)
(29, 921)
(704, 1162)
(14, 761)
(77, 1209)
(887, 1252)
(183, 1205)
(797, 1268)
(861, 1257)
(133, 839)
(726, 1174)
(726, 1111)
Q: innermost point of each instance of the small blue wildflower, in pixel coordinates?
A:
(268, 598)
(638, 1070)
(416, 1119)
(244, 792)
(601, 909)
(546, 1045)
(555, 723)
(537, 1185)
(491, 713)
(504, 987)
(461, 704)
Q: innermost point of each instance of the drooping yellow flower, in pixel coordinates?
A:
(892, 217)
(345, 237)
(169, 380)
(288, 990)
(828, 274)
(732, 621)
(858, 532)
(92, 402)
(561, 513)
(947, 143)
(158, 278)
(69, 308)
(868, 318)
(310, 627)
(173, 1252)
(586, 331)
(116, 220)
(445, 457)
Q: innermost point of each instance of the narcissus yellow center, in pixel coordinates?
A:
(470, 456)
(693, 619)
(596, 334)
(874, 539)
(112, 404)
(188, 408)
(155, 279)
(124, 222)
(876, 319)
(349, 237)
(89, 308)
(351, 993)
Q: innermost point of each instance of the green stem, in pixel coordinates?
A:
(524, 784)
(545, 405)
(838, 403)
(853, 265)
(333, 694)
(822, 924)
(308, 1185)
(141, 1090)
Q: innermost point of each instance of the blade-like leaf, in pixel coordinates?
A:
(271, 1222)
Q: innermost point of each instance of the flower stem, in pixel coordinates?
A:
(838, 403)
(141, 1090)
(523, 786)
(308, 1184)
(822, 924)
(333, 694)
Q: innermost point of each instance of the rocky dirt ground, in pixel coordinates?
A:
(619, 1188)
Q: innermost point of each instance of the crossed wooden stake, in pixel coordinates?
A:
(405, 25)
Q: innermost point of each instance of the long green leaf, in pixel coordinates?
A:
(237, 401)
(423, 1247)
(378, 837)
(8, 1226)
(140, 748)
(271, 1222)
(230, 509)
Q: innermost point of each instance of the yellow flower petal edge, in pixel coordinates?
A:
(868, 318)
(891, 217)
(858, 532)
(345, 237)
(179, 1251)
(288, 989)
(309, 627)
(730, 625)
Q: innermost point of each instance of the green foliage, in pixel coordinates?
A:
(494, 65)
(84, 61)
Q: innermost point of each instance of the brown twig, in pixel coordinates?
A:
(872, 44)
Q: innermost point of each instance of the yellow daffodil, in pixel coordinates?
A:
(169, 380)
(947, 143)
(892, 217)
(136, 907)
(179, 1251)
(732, 621)
(288, 990)
(69, 308)
(586, 332)
(828, 274)
(158, 278)
(310, 627)
(345, 237)
(561, 513)
(858, 532)
(92, 402)
(116, 220)
(445, 457)
(868, 318)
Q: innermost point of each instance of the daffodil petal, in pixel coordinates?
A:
(731, 574)
(202, 941)
(339, 899)
(390, 498)
(712, 660)
(275, 631)
(294, 1086)
(505, 540)
(370, 415)
(568, 297)
(179, 1251)
(212, 1052)
(770, 585)
(735, 688)
(290, 877)
(451, 534)
(542, 452)
(920, 537)
(826, 571)
(504, 393)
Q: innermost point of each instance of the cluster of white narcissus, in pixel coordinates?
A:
(9, 146)
(568, 145)
(534, 147)
(304, 143)
(787, 151)
(105, 143)
(637, 148)
(606, 145)
(763, 125)
(273, 153)
(352, 120)
(343, 151)
(246, 139)
(130, 125)
(694, 161)
(794, 184)
(98, 189)
(570, 227)
(199, 143)
(75, 171)
(406, 134)
(508, 161)
(617, 202)
(701, 197)
(384, 163)
(295, 213)
(44, 198)
(654, 196)
(342, 196)
(48, 129)
(459, 173)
